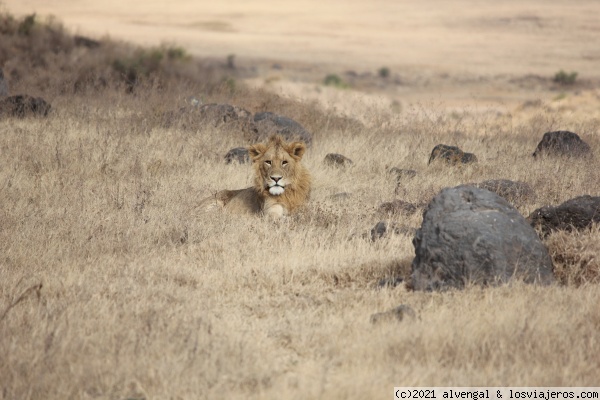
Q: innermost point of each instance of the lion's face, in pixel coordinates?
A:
(276, 164)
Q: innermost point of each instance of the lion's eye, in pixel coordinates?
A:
(284, 163)
(268, 162)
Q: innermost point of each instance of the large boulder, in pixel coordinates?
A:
(23, 105)
(473, 236)
(578, 213)
(452, 155)
(267, 124)
(562, 143)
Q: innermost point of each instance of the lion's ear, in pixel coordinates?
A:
(296, 150)
(256, 150)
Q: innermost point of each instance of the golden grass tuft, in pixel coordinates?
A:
(576, 256)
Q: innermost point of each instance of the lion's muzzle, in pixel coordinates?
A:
(276, 185)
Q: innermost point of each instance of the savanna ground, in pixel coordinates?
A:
(112, 286)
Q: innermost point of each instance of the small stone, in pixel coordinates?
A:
(337, 160)
(562, 143)
(237, 154)
(452, 155)
(576, 214)
(23, 105)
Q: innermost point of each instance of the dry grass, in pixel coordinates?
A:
(111, 288)
(576, 256)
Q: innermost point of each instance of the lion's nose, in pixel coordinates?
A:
(276, 178)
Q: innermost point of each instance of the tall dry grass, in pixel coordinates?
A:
(112, 287)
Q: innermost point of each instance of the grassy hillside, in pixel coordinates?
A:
(112, 286)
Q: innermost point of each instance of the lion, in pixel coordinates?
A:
(281, 184)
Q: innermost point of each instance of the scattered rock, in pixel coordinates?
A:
(337, 160)
(402, 174)
(473, 236)
(397, 314)
(237, 154)
(398, 207)
(578, 213)
(379, 230)
(452, 155)
(266, 124)
(562, 143)
(383, 229)
(515, 192)
(23, 106)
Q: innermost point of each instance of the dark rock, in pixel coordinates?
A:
(379, 230)
(514, 192)
(23, 106)
(398, 207)
(383, 229)
(267, 124)
(578, 213)
(402, 174)
(562, 143)
(397, 314)
(452, 155)
(468, 158)
(473, 236)
(337, 160)
(237, 154)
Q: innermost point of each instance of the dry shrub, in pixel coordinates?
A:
(41, 56)
(576, 256)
